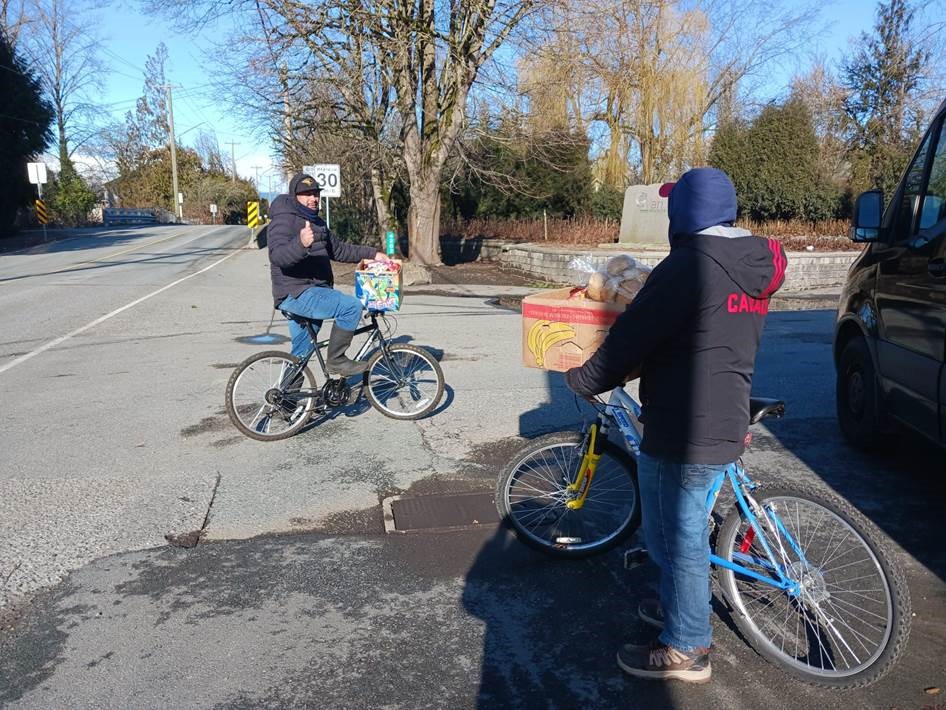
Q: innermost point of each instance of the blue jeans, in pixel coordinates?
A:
(676, 532)
(320, 303)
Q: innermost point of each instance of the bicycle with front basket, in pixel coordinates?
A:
(271, 395)
(811, 584)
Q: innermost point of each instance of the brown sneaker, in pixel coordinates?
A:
(663, 662)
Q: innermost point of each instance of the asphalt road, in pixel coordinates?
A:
(116, 436)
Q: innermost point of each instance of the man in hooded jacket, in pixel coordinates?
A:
(693, 332)
(301, 249)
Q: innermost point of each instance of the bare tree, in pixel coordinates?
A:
(396, 68)
(208, 148)
(824, 96)
(13, 18)
(61, 44)
(654, 71)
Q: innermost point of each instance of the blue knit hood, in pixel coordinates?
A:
(702, 198)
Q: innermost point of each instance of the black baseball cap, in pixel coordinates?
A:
(302, 183)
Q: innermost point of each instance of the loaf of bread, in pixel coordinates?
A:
(619, 264)
(595, 288)
(619, 282)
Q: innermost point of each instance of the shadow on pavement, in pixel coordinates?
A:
(550, 630)
(62, 240)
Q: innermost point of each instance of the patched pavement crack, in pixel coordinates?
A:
(191, 539)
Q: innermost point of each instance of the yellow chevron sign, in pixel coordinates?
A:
(41, 213)
(252, 214)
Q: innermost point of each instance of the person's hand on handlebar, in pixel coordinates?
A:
(571, 382)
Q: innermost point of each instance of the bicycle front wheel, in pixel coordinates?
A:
(847, 621)
(404, 381)
(262, 401)
(532, 495)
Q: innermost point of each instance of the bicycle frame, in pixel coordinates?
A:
(620, 404)
(317, 345)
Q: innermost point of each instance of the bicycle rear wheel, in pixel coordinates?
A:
(531, 495)
(263, 404)
(848, 622)
(405, 384)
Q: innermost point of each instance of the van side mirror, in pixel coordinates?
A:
(867, 212)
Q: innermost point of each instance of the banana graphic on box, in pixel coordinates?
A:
(544, 334)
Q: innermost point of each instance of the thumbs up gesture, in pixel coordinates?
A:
(306, 236)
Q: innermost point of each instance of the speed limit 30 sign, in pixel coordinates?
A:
(328, 176)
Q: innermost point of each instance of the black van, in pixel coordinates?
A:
(890, 337)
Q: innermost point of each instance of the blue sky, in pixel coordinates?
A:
(130, 36)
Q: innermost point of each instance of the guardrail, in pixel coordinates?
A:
(127, 215)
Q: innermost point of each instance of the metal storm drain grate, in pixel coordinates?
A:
(454, 511)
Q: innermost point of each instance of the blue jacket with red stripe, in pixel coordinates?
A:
(693, 330)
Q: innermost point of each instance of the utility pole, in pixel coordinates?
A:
(256, 168)
(287, 117)
(233, 145)
(178, 207)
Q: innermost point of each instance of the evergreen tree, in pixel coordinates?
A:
(729, 152)
(773, 163)
(884, 81)
(24, 130)
(70, 198)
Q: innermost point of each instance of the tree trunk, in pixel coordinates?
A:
(423, 220)
(380, 195)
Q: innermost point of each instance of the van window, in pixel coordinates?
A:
(912, 189)
(934, 202)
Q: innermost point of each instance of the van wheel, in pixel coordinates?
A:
(857, 396)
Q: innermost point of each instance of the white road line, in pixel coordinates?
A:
(57, 341)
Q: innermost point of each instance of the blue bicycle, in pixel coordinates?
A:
(808, 579)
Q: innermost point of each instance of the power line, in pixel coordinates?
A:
(121, 59)
(17, 118)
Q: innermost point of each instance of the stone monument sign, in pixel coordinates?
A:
(644, 218)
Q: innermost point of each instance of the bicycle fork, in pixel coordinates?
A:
(595, 438)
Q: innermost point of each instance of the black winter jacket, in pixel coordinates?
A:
(694, 330)
(292, 267)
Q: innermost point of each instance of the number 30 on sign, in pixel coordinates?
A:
(328, 176)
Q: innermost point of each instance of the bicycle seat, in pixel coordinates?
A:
(760, 408)
(300, 319)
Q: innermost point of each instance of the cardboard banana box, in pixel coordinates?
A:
(559, 332)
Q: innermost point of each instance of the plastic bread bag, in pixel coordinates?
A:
(581, 269)
(618, 280)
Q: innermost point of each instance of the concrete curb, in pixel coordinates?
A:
(806, 270)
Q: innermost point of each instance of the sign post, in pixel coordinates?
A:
(213, 213)
(37, 176)
(329, 178)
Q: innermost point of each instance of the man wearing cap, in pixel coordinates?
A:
(301, 249)
(693, 332)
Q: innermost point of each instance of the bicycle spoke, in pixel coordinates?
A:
(841, 623)
(538, 492)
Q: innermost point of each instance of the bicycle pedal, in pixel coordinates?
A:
(635, 557)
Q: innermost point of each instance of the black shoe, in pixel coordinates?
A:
(650, 612)
(663, 662)
(337, 363)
